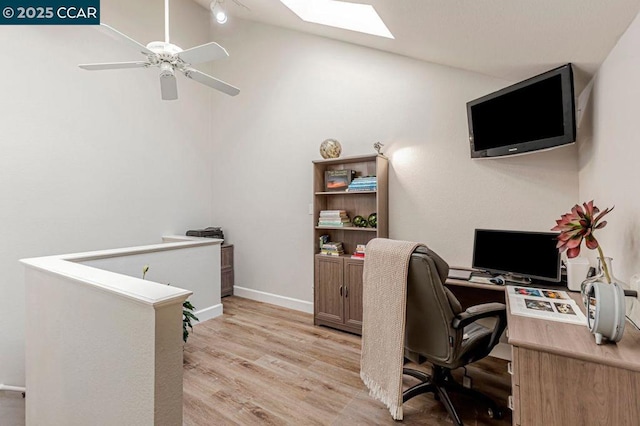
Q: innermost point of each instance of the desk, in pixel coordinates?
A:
(470, 294)
(559, 375)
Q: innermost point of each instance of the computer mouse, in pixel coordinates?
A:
(497, 280)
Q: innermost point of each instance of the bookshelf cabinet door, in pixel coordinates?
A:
(329, 289)
(353, 269)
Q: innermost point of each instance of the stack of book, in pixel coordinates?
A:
(365, 183)
(332, 248)
(334, 218)
(359, 253)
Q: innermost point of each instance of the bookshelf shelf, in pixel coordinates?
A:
(346, 193)
(338, 279)
(342, 256)
(346, 228)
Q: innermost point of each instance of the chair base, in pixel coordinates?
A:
(439, 383)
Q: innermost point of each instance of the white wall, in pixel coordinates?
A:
(94, 160)
(610, 156)
(196, 269)
(298, 90)
(101, 348)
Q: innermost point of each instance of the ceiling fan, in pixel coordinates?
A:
(170, 58)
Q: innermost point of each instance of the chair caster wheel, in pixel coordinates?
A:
(495, 414)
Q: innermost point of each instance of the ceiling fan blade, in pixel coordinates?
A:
(168, 87)
(114, 65)
(207, 80)
(113, 33)
(203, 53)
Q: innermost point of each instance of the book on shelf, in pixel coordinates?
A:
(333, 222)
(364, 186)
(338, 180)
(331, 253)
(333, 213)
(360, 252)
(334, 218)
(361, 189)
(368, 183)
(337, 225)
(333, 248)
(332, 245)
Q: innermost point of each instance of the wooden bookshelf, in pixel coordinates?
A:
(338, 279)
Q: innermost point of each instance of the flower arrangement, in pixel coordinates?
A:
(580, 224)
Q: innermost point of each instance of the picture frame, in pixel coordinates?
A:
(338, 180)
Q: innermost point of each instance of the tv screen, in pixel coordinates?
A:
(524, 254)
(534, 114)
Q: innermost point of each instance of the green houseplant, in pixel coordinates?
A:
(187, 311)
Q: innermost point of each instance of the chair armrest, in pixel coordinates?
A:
(474, 313)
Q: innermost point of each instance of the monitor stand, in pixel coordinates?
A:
(517, 279)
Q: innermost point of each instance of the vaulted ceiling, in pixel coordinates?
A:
(510, 39)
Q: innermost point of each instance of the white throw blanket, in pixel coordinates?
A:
(384, 299)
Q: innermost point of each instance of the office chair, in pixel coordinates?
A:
(439, 331)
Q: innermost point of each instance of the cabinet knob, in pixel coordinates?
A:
(340, 291)
(346, 292)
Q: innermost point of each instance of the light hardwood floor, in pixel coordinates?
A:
(263, 364)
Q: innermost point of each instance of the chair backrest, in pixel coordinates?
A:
(431, 309)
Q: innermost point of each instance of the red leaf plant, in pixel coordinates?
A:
(579, 224)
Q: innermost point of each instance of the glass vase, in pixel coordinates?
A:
(600, 277)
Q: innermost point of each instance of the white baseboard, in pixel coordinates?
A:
(209, 313)
(274, 299)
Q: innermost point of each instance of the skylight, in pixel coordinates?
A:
(358, 17)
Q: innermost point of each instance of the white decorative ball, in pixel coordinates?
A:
(330, 148)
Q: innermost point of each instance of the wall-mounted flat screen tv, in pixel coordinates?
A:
(535, 114)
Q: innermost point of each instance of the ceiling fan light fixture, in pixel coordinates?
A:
(166, 70)
(218, 12)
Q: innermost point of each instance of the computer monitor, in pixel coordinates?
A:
(517, 254)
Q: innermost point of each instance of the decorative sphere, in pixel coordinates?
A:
(360, 222)
(373, 220)
(330, 148)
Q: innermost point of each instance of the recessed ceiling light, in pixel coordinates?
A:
(349, 16)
